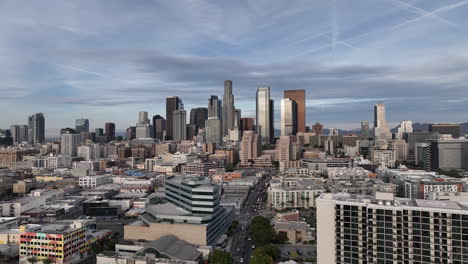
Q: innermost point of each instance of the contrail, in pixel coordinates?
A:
(92, 73)
(420, 11)
(334, 26)
(432, 13)
(346, 44)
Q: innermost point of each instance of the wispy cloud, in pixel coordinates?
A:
(114, 57)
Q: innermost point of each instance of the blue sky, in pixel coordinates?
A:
(106, 60)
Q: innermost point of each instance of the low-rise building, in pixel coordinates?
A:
(93, 181)
(66, 243)
(293, 193)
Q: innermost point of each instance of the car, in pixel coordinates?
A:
(253, 246)
(242, 260)
(238, 249)
(249, 239)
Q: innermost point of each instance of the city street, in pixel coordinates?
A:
(241, 246)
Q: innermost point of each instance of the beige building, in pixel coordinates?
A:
(250, 146)
(23, 187)
(193, 234)
(10, 236)
(293, 193)
(296, 231)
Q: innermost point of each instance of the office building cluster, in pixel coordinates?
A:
(183, 186)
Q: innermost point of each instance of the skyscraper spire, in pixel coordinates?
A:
(228, 107)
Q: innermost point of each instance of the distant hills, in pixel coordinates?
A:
(416, 127)
(425, 127)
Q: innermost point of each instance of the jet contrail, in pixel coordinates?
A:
(432, 13)
(92, 73)
(420, 11)
(334, 26)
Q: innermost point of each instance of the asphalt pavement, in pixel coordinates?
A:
(241, 244)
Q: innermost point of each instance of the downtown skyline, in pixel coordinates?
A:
(73, 64)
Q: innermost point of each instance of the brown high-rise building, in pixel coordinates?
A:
(110, 131)
(246, 124)
(300, 97)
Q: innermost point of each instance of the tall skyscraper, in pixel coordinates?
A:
(159, 127)
(406, 126)
(5, 137)
(213, 130)
(237, 118)
(143, 131)
(36, 125)
(110, 131)
(300, 97)
(173, 103)
(264, 115)
(99, 132)
(288, 117)
(143, 127)
(131, 133)
(19, 133)
(179, 125)
(365, 128)
(228, 108)
(82, 125)
(215, 108)
(381, 130)
(198, 116)
(69, 144)
(190, 131)
(143, 117)
(246, 123)
(68, 130)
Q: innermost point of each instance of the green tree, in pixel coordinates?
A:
(109, 245)
(261, 230)
(47, 261)
(281, 238)
(261, 258)
(260, 221)
(232, 228)
(32, 260)
(97, 248)
(221, 257)
(270, 250)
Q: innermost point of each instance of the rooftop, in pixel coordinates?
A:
(174, 248)
(396, 202)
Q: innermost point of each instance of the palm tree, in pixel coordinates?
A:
(32, 260)
(47, 261)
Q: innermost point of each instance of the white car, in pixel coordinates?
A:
(253, 246)
(241, 260)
